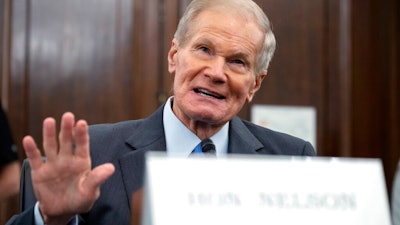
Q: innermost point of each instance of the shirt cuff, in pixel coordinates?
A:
(39, 220)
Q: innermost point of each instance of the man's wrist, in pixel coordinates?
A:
(54, 220)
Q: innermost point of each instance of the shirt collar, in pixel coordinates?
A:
(181, 141)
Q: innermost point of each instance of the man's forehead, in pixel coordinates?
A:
(227, 23)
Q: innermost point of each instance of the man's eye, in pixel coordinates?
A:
(238, 61)
(204, 49)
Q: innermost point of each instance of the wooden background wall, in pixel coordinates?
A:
(106, 61)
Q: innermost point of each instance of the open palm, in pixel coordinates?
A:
(65, 183)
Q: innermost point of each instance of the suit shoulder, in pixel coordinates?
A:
(118, 128)
(108, 141)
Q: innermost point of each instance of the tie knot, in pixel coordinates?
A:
(207, 146)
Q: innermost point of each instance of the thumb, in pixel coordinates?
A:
(99, 175)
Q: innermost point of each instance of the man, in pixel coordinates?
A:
(219, 58)
(9, 164)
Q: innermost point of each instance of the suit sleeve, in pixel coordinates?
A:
(25, 218)
(308, 150)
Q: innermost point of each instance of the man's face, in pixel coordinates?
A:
(215, 68)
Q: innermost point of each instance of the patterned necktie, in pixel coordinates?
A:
(208, 147)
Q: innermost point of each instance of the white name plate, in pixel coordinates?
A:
(264, 190)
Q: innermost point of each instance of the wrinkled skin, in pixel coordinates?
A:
(215, 70)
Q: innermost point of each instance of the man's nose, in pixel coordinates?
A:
(217, 69)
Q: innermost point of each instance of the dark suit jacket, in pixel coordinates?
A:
(125, 143)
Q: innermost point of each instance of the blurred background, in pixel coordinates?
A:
(106, 61)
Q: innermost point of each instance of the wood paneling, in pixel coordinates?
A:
(297, 71)
(146, 59)
(106, 61)
(375, 91)
(335, 136)
(7, 207)
(170, 17)
(75, 56)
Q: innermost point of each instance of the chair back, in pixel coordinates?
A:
(27, 197)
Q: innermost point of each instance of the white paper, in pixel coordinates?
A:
(299, 121)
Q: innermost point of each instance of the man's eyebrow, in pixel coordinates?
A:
(204, 41)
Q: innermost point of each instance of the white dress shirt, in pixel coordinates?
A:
(181, 141)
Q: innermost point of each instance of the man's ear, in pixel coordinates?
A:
(256, 86)
(172, 56)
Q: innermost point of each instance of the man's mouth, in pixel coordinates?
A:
(206, 93)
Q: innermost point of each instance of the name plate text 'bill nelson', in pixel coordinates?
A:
(264, 190)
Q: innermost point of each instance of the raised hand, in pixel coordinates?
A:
(65, 184)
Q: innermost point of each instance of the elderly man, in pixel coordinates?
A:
(219, 57)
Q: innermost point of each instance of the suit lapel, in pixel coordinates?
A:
(241, 140)
(148, 137)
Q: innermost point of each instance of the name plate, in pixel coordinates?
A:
(260, 190)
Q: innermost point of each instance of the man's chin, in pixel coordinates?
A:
(211, 119)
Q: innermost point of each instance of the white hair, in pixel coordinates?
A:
(246, 8)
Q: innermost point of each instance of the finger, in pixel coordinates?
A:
(98, 176)
(66, 135)
(82, 139)
(50, 145)
(32, 152)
